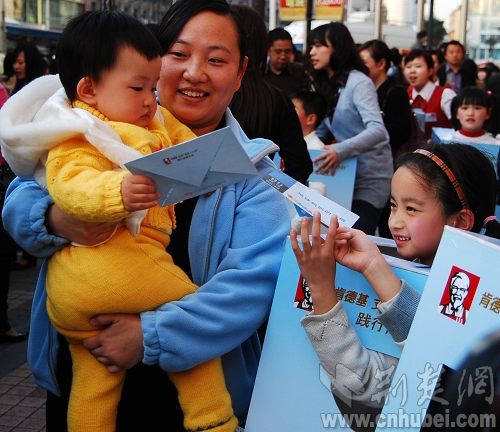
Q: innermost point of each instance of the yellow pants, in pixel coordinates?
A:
(125, 275)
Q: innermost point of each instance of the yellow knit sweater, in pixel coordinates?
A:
(126, 274)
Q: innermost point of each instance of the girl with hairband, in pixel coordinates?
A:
(431, 188)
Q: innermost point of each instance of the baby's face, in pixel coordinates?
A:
(126, 93)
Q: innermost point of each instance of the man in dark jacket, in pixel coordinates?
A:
(452, 71)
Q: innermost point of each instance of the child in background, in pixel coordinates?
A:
(434, 100)
(311, 109)
(476, 116)
(109, 64)
(430, 189)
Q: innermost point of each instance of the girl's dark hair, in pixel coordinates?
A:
(178, 15)
(477, 96)
(90, 43)
(378, 51)
(413, 54)
(474, 172)
(34, 64)
(254, 102)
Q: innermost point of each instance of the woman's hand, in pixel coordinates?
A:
(120, 345)
(355, 250)
(330, 161)
(85, 233)
(316, 261)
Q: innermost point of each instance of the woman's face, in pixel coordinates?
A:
(320, 56)
(201, 72)
(20, 66)
(377, 70)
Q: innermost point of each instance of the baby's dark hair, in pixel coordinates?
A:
(476, 96)
(312, 103)
(474, 172)
(90, 43)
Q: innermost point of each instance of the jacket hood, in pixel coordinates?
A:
(40, 116)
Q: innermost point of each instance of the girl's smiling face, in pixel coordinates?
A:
(417, 220)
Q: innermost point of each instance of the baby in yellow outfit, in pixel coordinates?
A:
(109, 64)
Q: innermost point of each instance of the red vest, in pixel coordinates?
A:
(433, 105)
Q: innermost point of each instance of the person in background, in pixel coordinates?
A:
(353, 118)
(8, 77)
(263, 110)
(394, 104)
(396, 69)
(311, 109)
(438, 59)
(434, 100)
(483, 74)
(7, 255)
(8, 249)
(289, 76)
(421, 41)
(28, 64)
(475, 116)
(229, 242)
(452, 71)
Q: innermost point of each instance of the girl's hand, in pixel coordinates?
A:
(330, 161)
(120, 345)
(138, 192)
(355, 250)
(316, 261)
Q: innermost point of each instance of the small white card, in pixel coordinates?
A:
(309, 201)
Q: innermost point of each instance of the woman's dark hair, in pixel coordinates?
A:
(439, 54)
(34, 64)
(178, 15)
(90, 43)
(8, 65)
(476, 96)
(396, 57)
(413, 54)
(345, 56)
(253, 104)
(378, 51)
(465, 162)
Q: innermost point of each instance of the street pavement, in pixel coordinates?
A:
(22, 402)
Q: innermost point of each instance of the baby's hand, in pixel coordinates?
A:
(138, 192)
